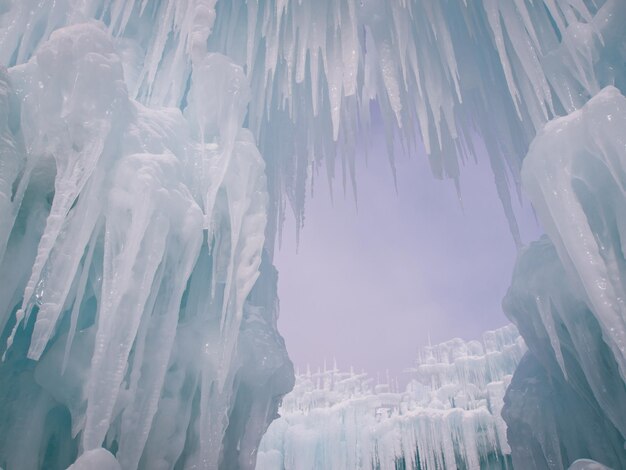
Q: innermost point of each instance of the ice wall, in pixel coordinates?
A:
(574, 173)
(131, 238)
(567, 297)
(448, 416)
(566, 399)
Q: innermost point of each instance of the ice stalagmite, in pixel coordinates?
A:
(148, 152)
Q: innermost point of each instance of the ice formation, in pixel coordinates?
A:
(448, 416)
(96, 459)
(587, 464)
(567, 296)
(148, 150)
(131, 239)
(569, 366)
(438, 71)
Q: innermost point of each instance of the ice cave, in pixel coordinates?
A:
(150, 151)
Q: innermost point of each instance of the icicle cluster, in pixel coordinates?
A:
(438, 71)
(342, 420)
(575, 173)
(457, 362)
(567, 297)
(569, 366)
(568, 294)
(147, 151)
(131, 238)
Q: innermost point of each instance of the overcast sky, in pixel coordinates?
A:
(369, 287)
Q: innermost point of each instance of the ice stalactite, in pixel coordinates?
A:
(448, 416)
(567, 295)
(132, 237)
(439, 72)
(570, 307)
(543, 431)
(574, 173)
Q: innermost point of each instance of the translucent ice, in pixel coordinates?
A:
(574, 174)
(438, 71)
(567, 297)
(96, 459)
(448, 416)
(586, 464)
(132, 237)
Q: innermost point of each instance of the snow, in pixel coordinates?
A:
(447, 417)
(149, 151)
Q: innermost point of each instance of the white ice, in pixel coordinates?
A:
(447, 417)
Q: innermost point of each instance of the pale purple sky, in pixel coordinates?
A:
(368, 287)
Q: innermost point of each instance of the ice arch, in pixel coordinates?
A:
(148, 151)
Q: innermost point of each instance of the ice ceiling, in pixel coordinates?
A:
(149, 150)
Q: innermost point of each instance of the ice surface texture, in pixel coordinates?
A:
(97, 459)
(131, 238)
(567, 298)
(440, 72)
(568, 294)
(586, 464)
(448, 416)
(563, 407)
(147, 152)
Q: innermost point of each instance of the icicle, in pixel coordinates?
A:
(341, 421)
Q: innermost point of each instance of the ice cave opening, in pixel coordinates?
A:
(150, 151)
(362, 341)
(434, 253)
